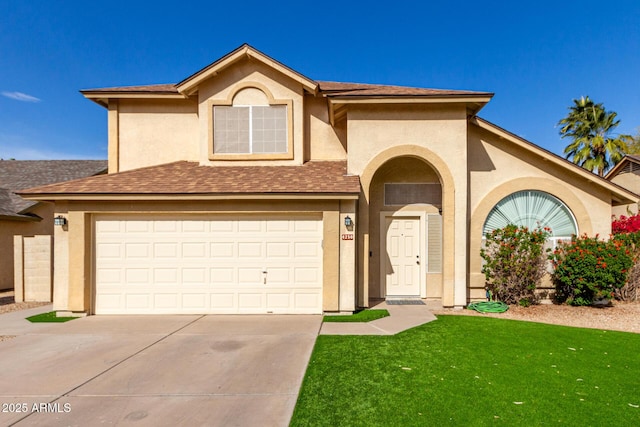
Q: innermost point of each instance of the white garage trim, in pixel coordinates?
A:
(161, 264)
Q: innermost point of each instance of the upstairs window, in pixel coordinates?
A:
(253, 129)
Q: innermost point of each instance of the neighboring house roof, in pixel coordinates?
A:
(629, 161)
(189, 178)
(16, 175)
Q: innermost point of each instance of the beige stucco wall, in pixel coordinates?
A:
(435, 134)
(153, 132)
(322, 141)
(630, 181)
(75, 292)
(24, 228)
(498, 168)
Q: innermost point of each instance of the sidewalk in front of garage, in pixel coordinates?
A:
(401, 318)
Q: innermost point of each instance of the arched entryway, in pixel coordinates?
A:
(405, 205)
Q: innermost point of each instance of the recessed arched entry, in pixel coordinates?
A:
(408, 199)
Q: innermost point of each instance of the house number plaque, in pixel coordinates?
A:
(348, 236)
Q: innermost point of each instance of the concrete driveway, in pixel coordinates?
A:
(154, 370)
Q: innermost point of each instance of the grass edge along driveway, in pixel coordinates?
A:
(467, 370)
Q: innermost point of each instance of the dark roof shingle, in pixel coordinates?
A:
(16, 175)
(314, 177)
(361, 89)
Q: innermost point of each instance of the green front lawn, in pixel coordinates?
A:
(468, 370)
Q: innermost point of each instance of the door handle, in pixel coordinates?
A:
(417, 259)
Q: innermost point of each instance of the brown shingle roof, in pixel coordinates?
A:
(314, 177)
(162, 88)
(16, 175)
(330, 89)
(360, 89)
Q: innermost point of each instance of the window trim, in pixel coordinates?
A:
(211, 104)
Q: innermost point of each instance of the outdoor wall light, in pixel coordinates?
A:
(59, 220)
(348, 222)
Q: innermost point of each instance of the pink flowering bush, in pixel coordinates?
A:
(626, 224)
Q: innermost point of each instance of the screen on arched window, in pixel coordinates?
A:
(532, 209)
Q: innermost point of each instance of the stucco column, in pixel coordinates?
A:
(460, 244)
(348, 256)
(79, 261)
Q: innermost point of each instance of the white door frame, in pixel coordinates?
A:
(422, 222)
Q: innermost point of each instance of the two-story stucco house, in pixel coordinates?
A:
(251, 188)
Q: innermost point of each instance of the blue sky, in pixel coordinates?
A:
(535, 56)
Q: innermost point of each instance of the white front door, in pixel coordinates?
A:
(402, 257)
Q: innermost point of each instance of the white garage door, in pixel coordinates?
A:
(197, 264)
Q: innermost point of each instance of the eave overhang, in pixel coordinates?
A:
(339, 105)
(189, 197)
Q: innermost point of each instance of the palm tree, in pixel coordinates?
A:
(590, 127)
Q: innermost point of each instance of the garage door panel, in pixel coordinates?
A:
(205, 265)
(278, 300)
(306, 250)
(194, 250)
(250, 250)
(222, 249)
(165, 275)
(136, 226)
(109, 276)
(306, 302)
(138, 301)
(136, 275)
(222, 275)
(194, 275)
(192, 226)
(249, 226)
(137, 250)
(251, 301)
(165, 301)
(223, 301)
(249, 276)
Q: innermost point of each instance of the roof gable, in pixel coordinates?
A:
(189, 85)
(629, 161)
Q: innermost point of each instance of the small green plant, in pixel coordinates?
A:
(360, 316)
(588, 269)
(49, 317)
(515, 262)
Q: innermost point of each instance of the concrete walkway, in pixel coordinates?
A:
(401, 318)
(168, 370)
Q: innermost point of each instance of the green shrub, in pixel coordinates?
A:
(515, 261)
(589, 269)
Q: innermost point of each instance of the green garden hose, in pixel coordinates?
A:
(488, 307)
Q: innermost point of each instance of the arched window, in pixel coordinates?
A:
(531, 208)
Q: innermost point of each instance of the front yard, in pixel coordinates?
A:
(467, 370)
